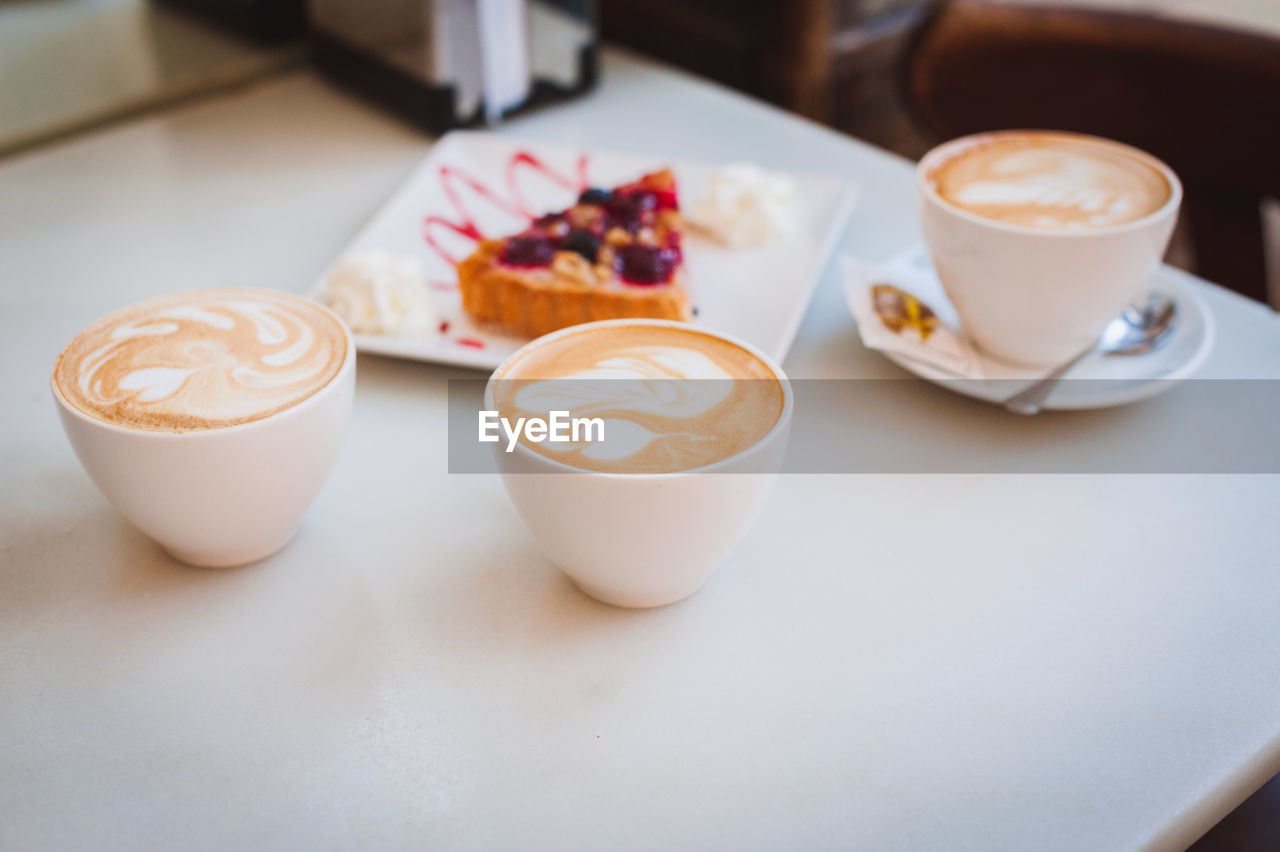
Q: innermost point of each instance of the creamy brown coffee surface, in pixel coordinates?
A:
(669, 399)
(1051, 181)
(201, 360)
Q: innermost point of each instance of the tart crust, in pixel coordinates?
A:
(532, 302)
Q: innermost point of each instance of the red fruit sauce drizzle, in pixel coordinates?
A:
(524, 158)
(464, 224)
(462, 341)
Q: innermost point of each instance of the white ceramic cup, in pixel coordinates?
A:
(1037, 296)
(219, 497)
(636, 539)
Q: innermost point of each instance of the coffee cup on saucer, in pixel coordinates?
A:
(210, 419)
(1041, 237)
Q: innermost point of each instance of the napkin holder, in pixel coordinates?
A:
(447, 63)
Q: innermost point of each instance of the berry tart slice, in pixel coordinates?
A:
(616, 253)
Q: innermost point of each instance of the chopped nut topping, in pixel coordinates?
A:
(668, 219)
(574, 267)
(604, 262)
(585, 216)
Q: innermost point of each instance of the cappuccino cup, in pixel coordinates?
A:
(209, 419)
(1039, 238)
(703, 420)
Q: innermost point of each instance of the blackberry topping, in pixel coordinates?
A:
(528, 251)
(632, 211)
(641, 264)
(595, 195)
(583, 242)
(633, 205)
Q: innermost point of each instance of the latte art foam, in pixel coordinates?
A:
(670, 399)
(1051, 180)
(201, 360)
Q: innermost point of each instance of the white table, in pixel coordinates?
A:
(945, 662)
(66, 66)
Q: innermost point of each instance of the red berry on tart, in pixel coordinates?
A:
(616, 253)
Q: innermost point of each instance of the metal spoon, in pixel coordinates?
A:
(1143, 327)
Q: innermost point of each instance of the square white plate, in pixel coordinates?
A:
(490, 185)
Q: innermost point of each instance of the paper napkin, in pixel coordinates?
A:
(901, 309)
(504, 54)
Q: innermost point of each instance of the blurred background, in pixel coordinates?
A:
(1179, 78)
(1196, 82)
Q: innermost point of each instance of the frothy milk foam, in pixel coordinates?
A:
(201, 360)
(1050, 180)
(671, 399)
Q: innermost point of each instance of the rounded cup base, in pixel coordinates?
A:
(224, 559)
(633, 599)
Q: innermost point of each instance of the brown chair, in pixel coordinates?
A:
(1204, 99)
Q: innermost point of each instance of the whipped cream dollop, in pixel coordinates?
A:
(379, 292)
(745, 206)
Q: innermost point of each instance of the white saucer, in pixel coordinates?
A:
(1099, 381)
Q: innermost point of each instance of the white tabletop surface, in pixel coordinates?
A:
(913, 662)
(68, 65)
